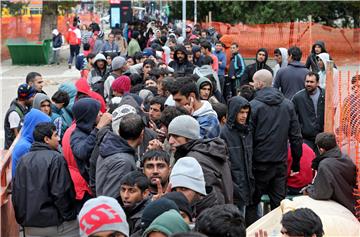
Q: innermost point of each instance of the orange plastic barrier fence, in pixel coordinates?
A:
(343, 44)
(342, 116)
(9, 226)
(28, 27)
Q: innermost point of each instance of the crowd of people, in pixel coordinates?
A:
(164, 136)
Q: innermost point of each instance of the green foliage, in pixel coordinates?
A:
(330, 13)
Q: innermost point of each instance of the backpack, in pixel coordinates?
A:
(97, 82)
(72, 38)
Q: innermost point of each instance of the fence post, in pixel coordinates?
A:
(310, 32)
(329, 106)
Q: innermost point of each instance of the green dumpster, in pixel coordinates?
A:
(25, 52)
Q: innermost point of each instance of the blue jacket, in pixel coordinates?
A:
(222, 58)
(83, 138)
(208, 121)
(31, 119)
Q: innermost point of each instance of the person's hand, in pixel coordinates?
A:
(292, 173)
(155, 144)
(105, 119)
(160, 191)
(261, 233)
(190, 107)
(152, 125)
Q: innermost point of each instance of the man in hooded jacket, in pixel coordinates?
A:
(238, 137)
(82, 140)
(274, 122)
(31, 119)
(181, 65)
(311, 61)
(98, 74)
(261, 58)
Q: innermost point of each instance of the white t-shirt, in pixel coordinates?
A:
(14, 119)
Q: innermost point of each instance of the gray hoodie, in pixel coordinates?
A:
(38, 99)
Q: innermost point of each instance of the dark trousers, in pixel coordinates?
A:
(269, 179)
(230, 88)
(222, 83)
(74, 51)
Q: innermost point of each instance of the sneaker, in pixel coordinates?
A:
(69, 66)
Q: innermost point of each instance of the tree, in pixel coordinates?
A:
(264, 12)
(50, 12)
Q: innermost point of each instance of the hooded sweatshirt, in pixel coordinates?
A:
(116, 159)
(250, 70)
(83, 138)
(284, 61)
(31, 119)
(208, 121)
(181, 68)
(239, 141)
(97, 76)
(69, 88)
(325, 57)
(168, 223)
(311, 61)
(203, 80)
(274, 121)
(55, 118)
(83, 87)
(207, 70)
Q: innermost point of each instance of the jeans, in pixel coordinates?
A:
(55, 58)
(66, 229)
(74, 51)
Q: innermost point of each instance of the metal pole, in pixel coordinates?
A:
(195, 12)
(183, 18)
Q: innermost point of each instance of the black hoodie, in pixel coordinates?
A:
(311, 59)
(239, 142)
(250, 70)
(181, 68)
(83, 138)
(274, 121)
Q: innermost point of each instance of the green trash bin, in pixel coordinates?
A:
(24, 52)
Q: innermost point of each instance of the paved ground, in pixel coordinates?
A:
(13, 75)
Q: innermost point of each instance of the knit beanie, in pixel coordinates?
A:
(181, 201)
(155, 209)
(102, 214)
(117, 63)
(185, 126)
(187, 173)
(122, 84)
(118, 114)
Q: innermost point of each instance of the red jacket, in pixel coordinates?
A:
(83, 87)
(305, 176)
(81, 186)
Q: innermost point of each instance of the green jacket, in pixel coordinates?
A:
(133, 47)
